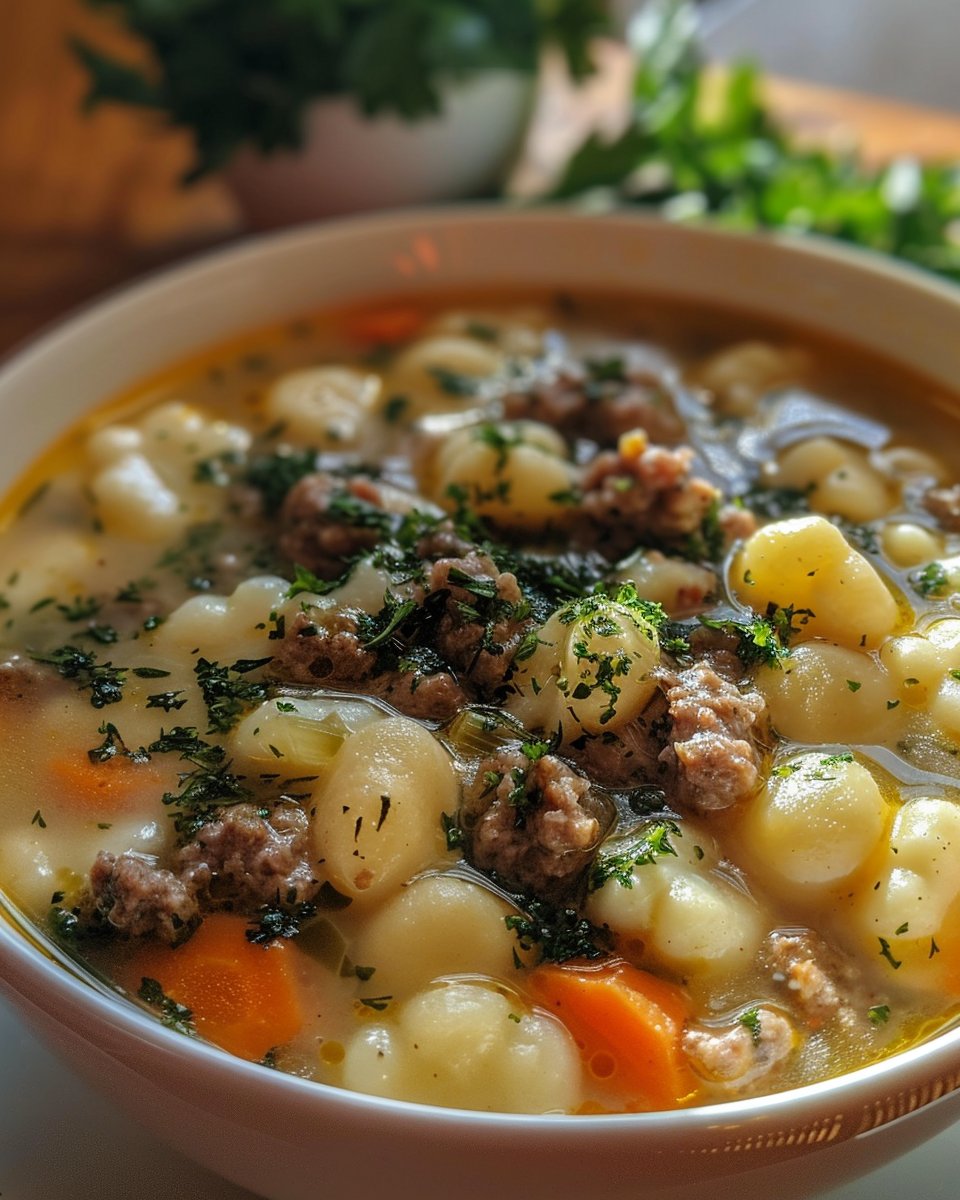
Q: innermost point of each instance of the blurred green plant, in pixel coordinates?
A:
(243, 71)
(701, 144)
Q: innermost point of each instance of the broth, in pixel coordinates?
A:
(537, 705)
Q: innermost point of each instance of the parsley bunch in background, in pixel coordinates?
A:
(243, 71)
(704, 143)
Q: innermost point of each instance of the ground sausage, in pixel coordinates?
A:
(735, 1057)
(580, 403)
(629, 757)
(711, 744)
(326, 522)
(137, 897)
(332, 656)
(481, 626)
(251, 860)
(538, 829)
(436, 697)
(323, 655)
(650, 496)
(819, 982)
(944, 504)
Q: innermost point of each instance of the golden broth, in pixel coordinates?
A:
(144, 701)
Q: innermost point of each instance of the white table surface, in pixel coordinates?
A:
(60, 1141)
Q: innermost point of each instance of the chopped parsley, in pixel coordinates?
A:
(80, 609)
(932, 582)
(132, 593)
(273, 475)
(708, 543)
(595, 618)
(64, 923)
(113, 746)
(833, 760)
(751, 1020)
(276, 921)
(862, 537)
(652, 843)
(482, 331)
(214, 470)
(558, 933)
(389, 620)
(454, 383)
(226, 693)
(879, 1014)
(206, 787)
(358, 513)
(758, 640)
(192, 558)
(106, 635)
(104, 681)
(395, 408)
(452, 831)
(377, 1003)
(306, 581)
(887, 953)
(500, 439)
(173, 1015)
(606, 370)
(168, 701)
(776, 502)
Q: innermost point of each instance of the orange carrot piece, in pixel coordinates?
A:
(384, 326)
(243, 997)
(943, 951)
(628, 1025)
(101, 789)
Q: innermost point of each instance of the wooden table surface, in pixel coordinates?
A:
(88, 201)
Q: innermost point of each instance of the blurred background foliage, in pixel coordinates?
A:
(702, 142)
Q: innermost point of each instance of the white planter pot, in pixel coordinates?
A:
(353, 163)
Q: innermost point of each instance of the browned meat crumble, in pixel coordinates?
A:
(711, 744)
(943, 503)
(578, 404)
(537, 828)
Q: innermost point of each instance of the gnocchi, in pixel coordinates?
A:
(805, 564)
(466, 1045)
(519, 754)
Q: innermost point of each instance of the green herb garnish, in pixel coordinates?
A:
(699, 147)
(241, 71)
(652, 843)
(226, 693)
(558, 933)
(173, 1015)
(751, 1020)
(275, 921)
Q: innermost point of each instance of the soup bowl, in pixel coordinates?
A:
(282, 1136)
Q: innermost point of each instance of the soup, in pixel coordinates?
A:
(543, 707)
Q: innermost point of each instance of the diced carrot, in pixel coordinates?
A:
(628, 1024)
(943, 952)
(103, 788)
(384, 326)
(243, 997)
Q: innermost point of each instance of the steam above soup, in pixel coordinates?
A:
(536, 708)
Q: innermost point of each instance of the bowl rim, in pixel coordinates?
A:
(231, 254)
(68, 985)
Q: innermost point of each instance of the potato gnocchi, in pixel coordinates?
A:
(531, 704)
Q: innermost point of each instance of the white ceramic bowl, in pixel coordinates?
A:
(352, 163)
(284, 1137)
